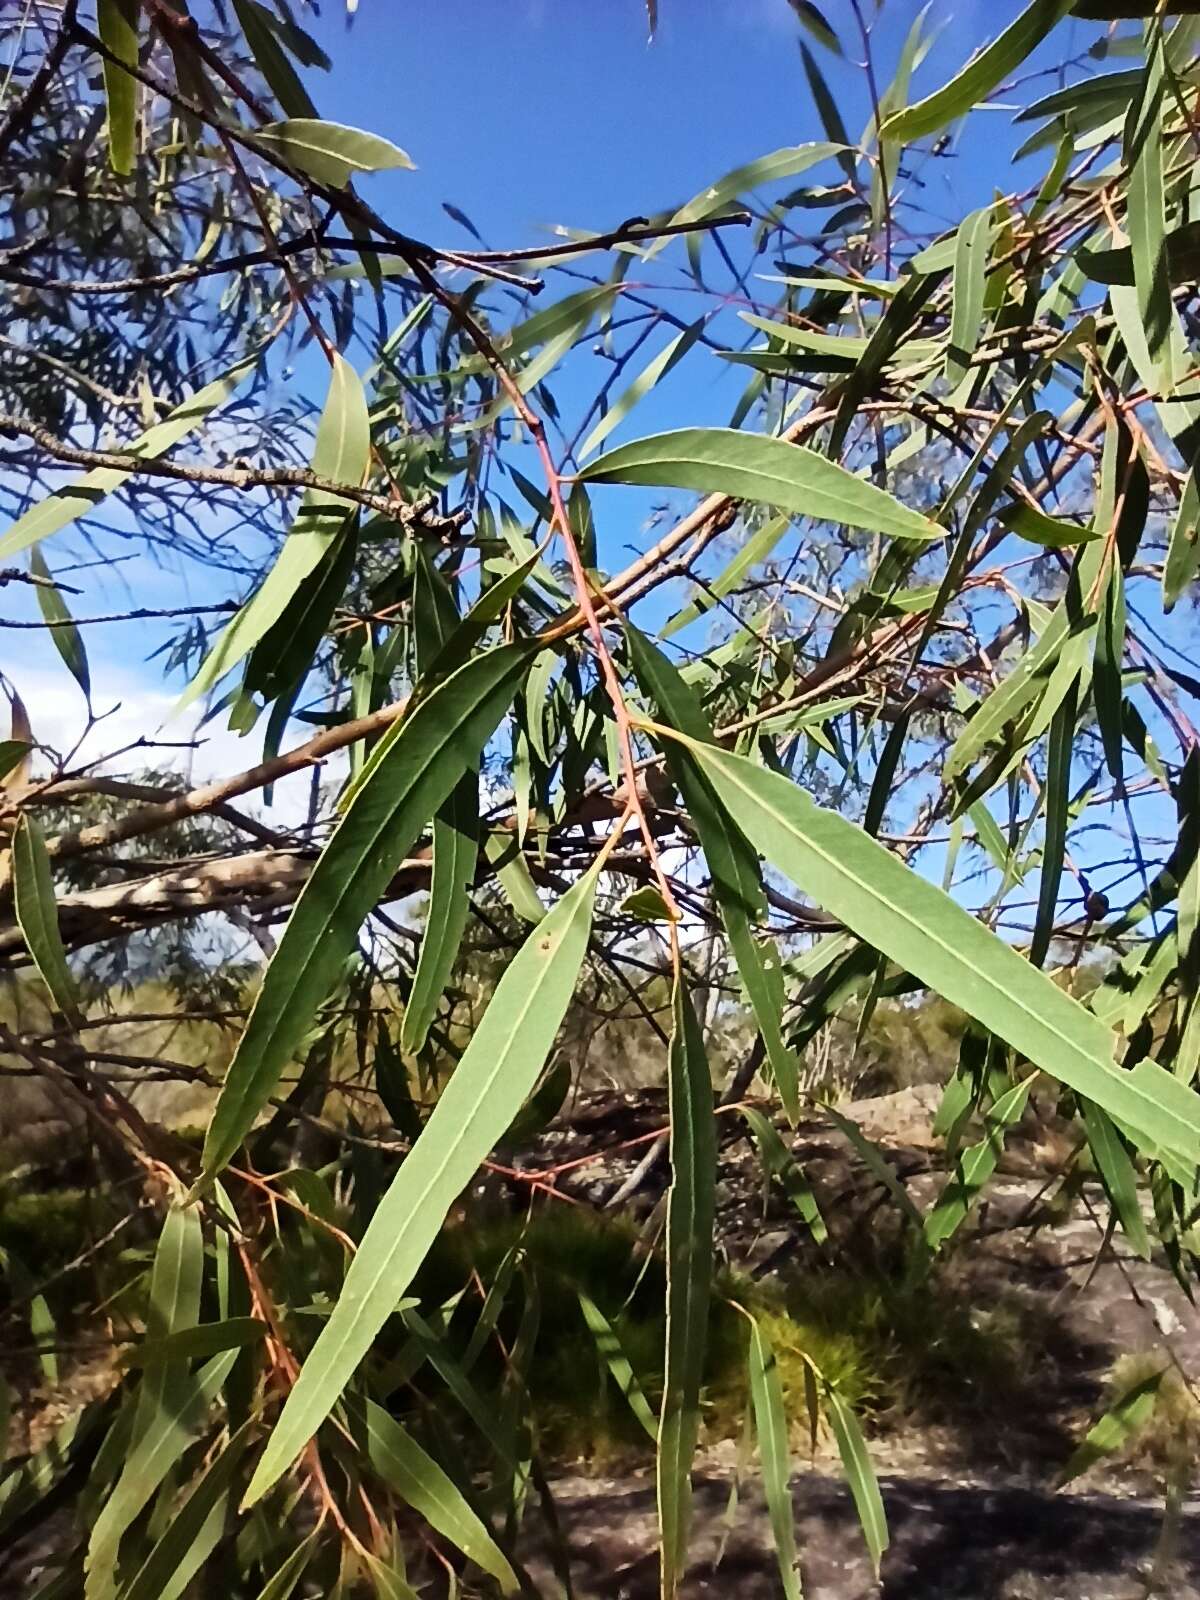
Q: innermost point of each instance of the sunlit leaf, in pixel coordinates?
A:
(37, 915)
(755, 467)
(327, 151)
(492, 1080)
(923, 930)
(771, 1426)
(983, 73)
(117, 24)
(439, 740)
(65, 505)
(689, 1252)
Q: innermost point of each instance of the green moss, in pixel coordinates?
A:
(44, 1230)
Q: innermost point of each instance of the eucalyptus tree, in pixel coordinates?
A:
(899, 704)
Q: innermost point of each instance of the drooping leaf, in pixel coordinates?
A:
(778, 1162)
(1129, 1413)
(195, 1529)
(341, 454)
(417, 1478)
(259, 26)
(814, 21)
(65, 634)
(786, 163)
(491, 1082)
(1183, 549)
(926, 932)
(970, 281)
(756, 467)
(1147, 216)
(981, 74)
(1055, 804)
(860, 1475)
(439, 740)
(1118, 1175)
(657, 367)
(608, 1344)
(689, 1254)
(117, 25)
(37, 915)
(974, 1168)
(771, 1426)
(737, 885)
(60, 509)
(328, 151)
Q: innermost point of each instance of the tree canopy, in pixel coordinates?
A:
(878, 685)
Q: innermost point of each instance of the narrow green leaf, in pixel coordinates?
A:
(455, 853)
(490, 1084)
(737, 884)
(1118, 1175)
(416, 1477)
(779, 1163)
(689, 1253)
(1129, 1413)
(206, 1339)
(1056, 799)
(860, 1475)
(65, 634)
(970, 281)
(928, 934)
(509, 864)
(1107, 673)
(65, 505)
(117, 25)
(327, 151)
(1183, 549)
(271, 58)
(1147, 217)
(827, 110)
(749, 556)
(341, 454)
(1039, 528)
(983, 73)
(877, 1163)
(12, 753)
(282, 1583)
(812, 19)
(657, 367)
(974, 1168)
(771, 1426)
(786, 163)
(755, 467)
(175, 1422)
(37, 915)
(195, 1527)
(438, 741)
(608, 1343)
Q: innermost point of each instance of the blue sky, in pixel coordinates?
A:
(530, 113)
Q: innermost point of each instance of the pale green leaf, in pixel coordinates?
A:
(65, 505)
(785, 163)
(488, 1087)
(37, 915)
(341, 454)
(194, 1529)
(768, 470)
(608, 1344)
(927, 933)
(974, 1168)
(117, 25)
(983, 73)
(689, 1255)
(65, 634)
(860, 1474)
(657, 367)
(416, 1477)
(327, 151)
(438, 741)
(771, 1426)
(1123, 1419)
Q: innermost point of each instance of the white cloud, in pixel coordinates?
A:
(136, 720)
